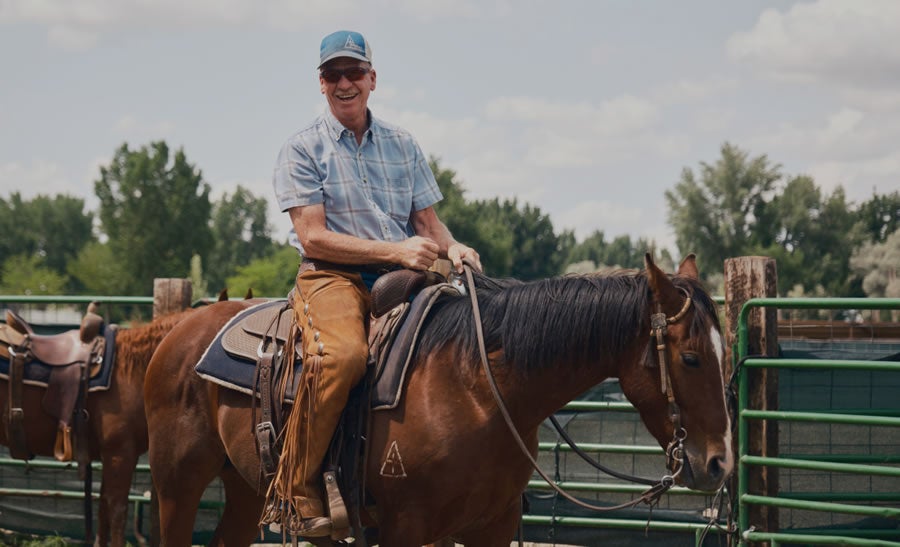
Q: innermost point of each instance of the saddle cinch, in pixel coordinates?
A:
(73, 357)
(266, 336)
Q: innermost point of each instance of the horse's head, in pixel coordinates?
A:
(679, 390)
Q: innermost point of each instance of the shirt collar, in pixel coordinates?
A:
(337, 129)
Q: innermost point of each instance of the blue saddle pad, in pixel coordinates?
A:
(220, 367)
(38, 373)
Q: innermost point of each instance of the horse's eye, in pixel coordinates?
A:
(690, 359)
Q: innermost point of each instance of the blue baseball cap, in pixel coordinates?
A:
(344, 43)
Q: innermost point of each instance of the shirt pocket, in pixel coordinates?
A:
(396, 193)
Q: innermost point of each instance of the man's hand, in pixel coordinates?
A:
(418, 253)
(457, 252)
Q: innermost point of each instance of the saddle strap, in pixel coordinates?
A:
(61, 400)
(82, 450)
(15, 424)
(265, 430)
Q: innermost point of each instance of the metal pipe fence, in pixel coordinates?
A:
(644, 454)
(622, 444)
(871, 504)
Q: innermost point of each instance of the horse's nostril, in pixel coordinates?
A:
(716, 466)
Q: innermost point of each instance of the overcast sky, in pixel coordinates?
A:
(587, 109)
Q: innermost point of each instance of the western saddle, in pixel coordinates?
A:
(73, 357)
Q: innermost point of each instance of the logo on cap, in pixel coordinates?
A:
(350, 44)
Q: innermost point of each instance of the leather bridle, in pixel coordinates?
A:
(658, 328)
(675, 450)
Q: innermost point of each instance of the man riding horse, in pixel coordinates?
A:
(360, 196)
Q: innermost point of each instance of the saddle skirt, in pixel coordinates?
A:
(230, 359)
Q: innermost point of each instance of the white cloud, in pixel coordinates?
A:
(430, 10)
(623, 114)
(844, 135)
(77, 25)
(849, 44)
(614, 219)
(39, 177)
(860, 179)
(565, 135)
(112, 14)
(842, 125)
(70, 38)
(582, 218)
(875, 100)
(692, 90)
(131, 129)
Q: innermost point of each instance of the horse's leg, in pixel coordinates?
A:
(179, 487)
(118, 470)
(185, 452)
(239, 524)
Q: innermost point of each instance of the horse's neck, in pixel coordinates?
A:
(534, 397)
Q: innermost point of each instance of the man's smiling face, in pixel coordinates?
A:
(348, 91)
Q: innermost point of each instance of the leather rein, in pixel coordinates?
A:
(675, 450)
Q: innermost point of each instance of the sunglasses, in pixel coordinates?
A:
(334, 75)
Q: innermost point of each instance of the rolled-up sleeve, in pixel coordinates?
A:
(296, 180)
(425, 188)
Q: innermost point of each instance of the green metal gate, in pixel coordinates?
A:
(847, 492)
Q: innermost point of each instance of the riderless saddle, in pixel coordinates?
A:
(73, 357)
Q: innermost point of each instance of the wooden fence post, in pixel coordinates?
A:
(745, 278)
(170, 295)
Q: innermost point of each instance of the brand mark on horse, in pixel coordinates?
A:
(393, 464)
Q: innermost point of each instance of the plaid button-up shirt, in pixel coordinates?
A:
(369, 190)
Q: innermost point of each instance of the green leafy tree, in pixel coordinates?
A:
(738, 207)
(27, 275)
(272, 276)
(468, 222)
(241, 233)
(98, 271)
(880, 216)
(719, 212)
(811, 236)
(513, 240)
(198, 283)
(54, 229)
(878, 264)
(155, 209)
(593, 250)
(621, 252)
(537, 250)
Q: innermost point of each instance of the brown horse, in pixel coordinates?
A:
(117, 433)
(444, 463)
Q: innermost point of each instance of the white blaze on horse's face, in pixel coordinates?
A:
(718, 344)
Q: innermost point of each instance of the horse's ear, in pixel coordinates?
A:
(223, 294)
(688, 267)
(664, 291)
(249, 294)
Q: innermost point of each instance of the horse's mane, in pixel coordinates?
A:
(135, 345)
(571, 318)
